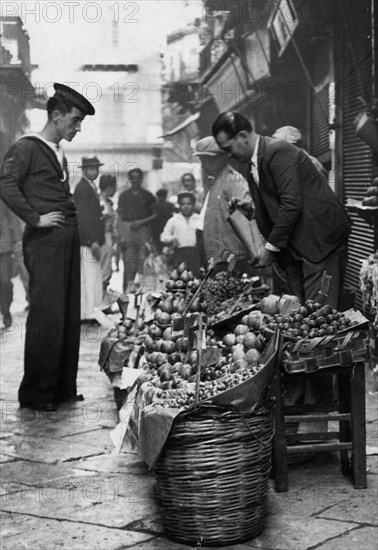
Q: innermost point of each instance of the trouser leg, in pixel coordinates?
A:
(6, 285)
(71, 343)
(48, 259)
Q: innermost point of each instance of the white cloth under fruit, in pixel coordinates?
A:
(91, 283)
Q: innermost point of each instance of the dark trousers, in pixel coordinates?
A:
(6, 285)
(52, 258)
(304, 278)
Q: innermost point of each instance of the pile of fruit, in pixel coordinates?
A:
(129, 330)
(309, 321)
(215, 292)
(185, 397)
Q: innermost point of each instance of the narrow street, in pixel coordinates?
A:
(63, 487)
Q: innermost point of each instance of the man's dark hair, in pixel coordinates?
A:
(231, 123)
(107, 181)
(58, 104)
(135, 171)
(162, 193)
(188, 175)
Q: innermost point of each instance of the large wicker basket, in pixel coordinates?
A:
(212, 477)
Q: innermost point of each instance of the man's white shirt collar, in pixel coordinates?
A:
(254, 161)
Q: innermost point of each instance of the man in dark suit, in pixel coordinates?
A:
(92, 236)
(34, 184)
(304, 223)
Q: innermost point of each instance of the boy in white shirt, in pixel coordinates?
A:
(180, 232)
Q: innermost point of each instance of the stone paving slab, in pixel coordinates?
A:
(161, 543)
(363, 538)
(4, 459)
(286, 533)
(292, 533)
(69, 535)
(316, 487)
(55, 430)
(354, 508)
(95, 438)
(372, 465)
(14, 524)
(46, 450)
(113, 502)
(34, 473)
(125, 463)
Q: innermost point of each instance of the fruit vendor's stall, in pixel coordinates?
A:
(194, 377)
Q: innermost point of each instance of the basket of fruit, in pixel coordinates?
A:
(212, 477)
(209, 443)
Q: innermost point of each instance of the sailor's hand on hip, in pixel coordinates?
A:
(52, 219)
(96, 251)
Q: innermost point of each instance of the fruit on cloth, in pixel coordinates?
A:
(238, 353)
(185, 397)
(229, 340)
(269, 304)
(181, 268)
(241, 330)
(252, 356)
(249, 340)
(255, 320)
(167, 305)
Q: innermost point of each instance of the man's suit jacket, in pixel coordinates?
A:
(296, 209)
(89, 211)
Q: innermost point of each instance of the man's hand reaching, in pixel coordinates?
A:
(245, 206)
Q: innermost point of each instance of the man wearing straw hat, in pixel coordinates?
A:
(222, 183)
(34, 184)
(92, 236)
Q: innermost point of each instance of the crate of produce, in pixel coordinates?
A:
(345, 348)
(212, 477)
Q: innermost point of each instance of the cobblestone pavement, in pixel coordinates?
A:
(62, 487)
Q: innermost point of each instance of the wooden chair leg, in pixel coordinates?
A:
(344, 389)
(279, 441)
(358, 426)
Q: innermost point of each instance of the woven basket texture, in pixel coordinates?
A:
(212, 477)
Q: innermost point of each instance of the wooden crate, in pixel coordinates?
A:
(345, 348)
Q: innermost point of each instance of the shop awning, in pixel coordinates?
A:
(181, 126)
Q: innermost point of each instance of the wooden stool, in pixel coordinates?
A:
(349, 412)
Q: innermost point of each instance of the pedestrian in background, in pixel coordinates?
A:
(92, 236)
(180, 233)
(10, 237)
(188, 183)
(34, 182)
(164, 210)
(108, 188)
(136, 212)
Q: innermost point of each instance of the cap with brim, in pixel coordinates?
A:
(207, 146)
(90, 162)
(289, 134)
(186, 195)
(74, 98)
